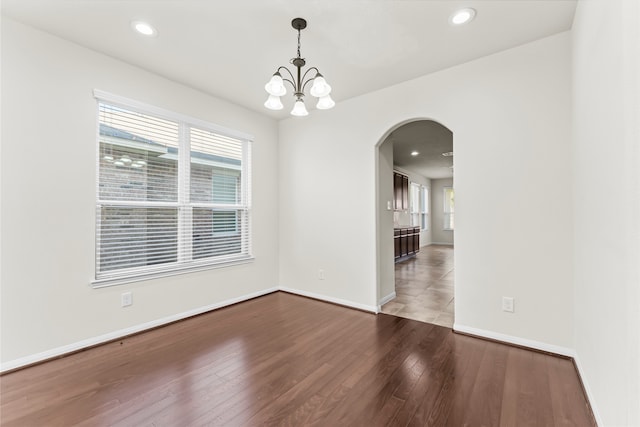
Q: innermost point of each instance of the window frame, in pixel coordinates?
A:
(183, 204)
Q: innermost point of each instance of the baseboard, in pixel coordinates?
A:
(441, 244)
(101, 339)
(386, 299)
(346, 303)
(587, 390)
(521, 342)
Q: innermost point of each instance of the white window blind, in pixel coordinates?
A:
(448, 208)
(173, 194)
(424, 208)
(415, 204)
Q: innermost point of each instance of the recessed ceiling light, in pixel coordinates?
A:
(462, 16)
(414, 153)
(448, 154)
(144, 28)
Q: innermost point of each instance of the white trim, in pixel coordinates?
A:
(101, 339)
(167, 114)
(172, 270)
(590, 397)
(386, 299)
(346, 303)
(510, 339)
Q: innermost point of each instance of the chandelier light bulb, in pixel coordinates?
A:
(320, 87)
(274, 103)
(325, 103)
(299, 109)
(275, 86)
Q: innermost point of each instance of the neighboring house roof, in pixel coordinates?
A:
(110, 131)
(107, 130)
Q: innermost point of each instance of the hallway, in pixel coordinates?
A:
(424, 287)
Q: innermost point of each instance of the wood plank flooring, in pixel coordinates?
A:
(285, 360)
(424, 287)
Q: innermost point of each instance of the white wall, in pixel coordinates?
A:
(606, 147)
(48, 198)
(440, 235)
(386, 262)
(510, 116)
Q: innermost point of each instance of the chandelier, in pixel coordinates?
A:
(319, 89)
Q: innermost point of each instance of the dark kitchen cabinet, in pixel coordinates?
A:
(396, 243)
(405, 193)
(406, 242)
(400, 192)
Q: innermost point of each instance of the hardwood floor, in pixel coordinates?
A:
(424, 287)
(282, 359)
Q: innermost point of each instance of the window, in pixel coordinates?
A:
(424, 208)
(419, 206)
(415, 204)
(173, 193)
(448, 208)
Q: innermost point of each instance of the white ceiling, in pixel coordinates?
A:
(430, 140)
(230, 48)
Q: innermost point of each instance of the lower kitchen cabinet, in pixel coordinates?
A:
(406, 242)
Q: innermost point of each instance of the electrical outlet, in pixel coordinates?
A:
(126, 299)
(321, 274)
(507, 304)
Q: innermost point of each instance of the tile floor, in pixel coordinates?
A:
(424, 287)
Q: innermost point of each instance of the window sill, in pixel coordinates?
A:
(122, 280)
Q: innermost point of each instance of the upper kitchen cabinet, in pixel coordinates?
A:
(400, 191)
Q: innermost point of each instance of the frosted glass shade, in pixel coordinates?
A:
(299, 109)
(275, 86)
(273, 103)
(325, 103)
(320, 87)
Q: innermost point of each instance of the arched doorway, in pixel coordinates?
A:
(415, 198)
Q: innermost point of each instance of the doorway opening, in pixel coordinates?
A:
(416, 222)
